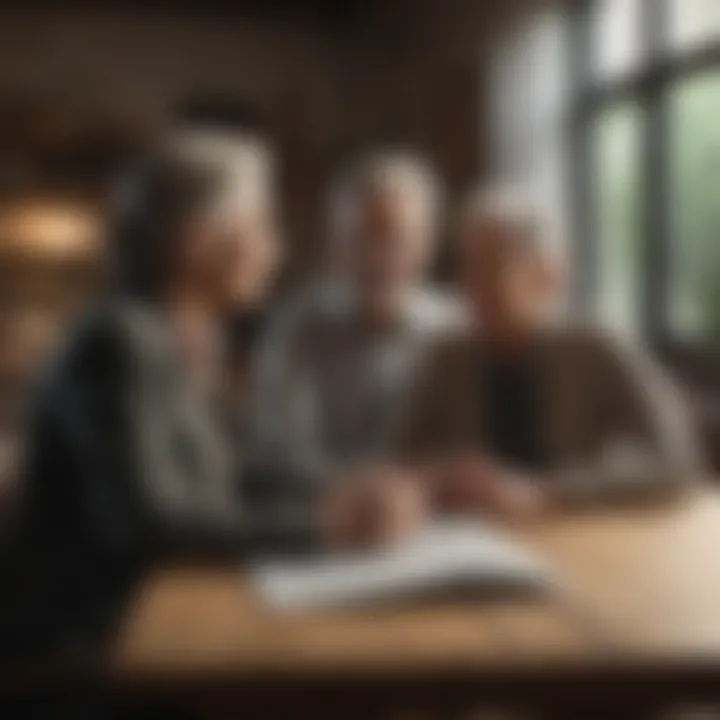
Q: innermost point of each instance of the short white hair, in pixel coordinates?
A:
(379, 172)
(203, 172)
(191, 174)
(513, 207)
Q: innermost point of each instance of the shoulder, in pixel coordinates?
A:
(452, 352)
(596, 347)
(300, 318)
(95, 358)
(290, 313)
(585, 336)
(438, 313)
(111, 338)
(125, 325)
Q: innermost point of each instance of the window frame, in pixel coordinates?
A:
(649, 86)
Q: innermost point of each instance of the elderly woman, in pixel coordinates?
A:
(128, 462)
(525, 412)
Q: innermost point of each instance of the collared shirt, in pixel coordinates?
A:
(332, 392)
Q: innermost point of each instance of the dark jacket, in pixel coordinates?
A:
(128, 467)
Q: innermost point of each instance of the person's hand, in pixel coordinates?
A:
(374, 507)
(514, 497)
(475, 484)
(462, 483)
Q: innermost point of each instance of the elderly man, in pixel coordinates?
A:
(338, 366)
(526, 412)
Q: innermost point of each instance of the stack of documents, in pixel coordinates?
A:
(446, 559)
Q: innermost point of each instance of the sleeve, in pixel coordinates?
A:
(144, 491)
(288, 447)
(647, 448)
(147, 493)
(432, 426)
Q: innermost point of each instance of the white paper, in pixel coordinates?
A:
(446, 555)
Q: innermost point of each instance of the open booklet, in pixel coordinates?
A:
(445, 559)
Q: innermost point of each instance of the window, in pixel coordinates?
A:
(617, 132)
(694, 284)
(645, 164)
(530, 97)
(693, 22)
(615, 45)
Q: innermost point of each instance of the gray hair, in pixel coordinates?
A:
(190, 175)
(512, 207)
(384, 171)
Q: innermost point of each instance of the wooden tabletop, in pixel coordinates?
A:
(640, 588)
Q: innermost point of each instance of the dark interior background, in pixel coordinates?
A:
(83, 85)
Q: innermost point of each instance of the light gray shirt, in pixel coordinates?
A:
(331, 393)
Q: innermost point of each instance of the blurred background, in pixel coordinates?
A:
(609, 108)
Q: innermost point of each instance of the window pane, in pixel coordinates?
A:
(694, 22)
(530, 86)
(695, 267)
(530, 104)
(616, 32)
(618, 139)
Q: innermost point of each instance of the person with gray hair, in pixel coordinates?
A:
(128, 462)
(339, 362)
(196, 183)
(527, 411)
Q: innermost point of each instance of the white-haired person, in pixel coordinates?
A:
(129, 463)
(528, 411)
(340, 361)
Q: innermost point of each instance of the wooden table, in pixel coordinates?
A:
(638, 618)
